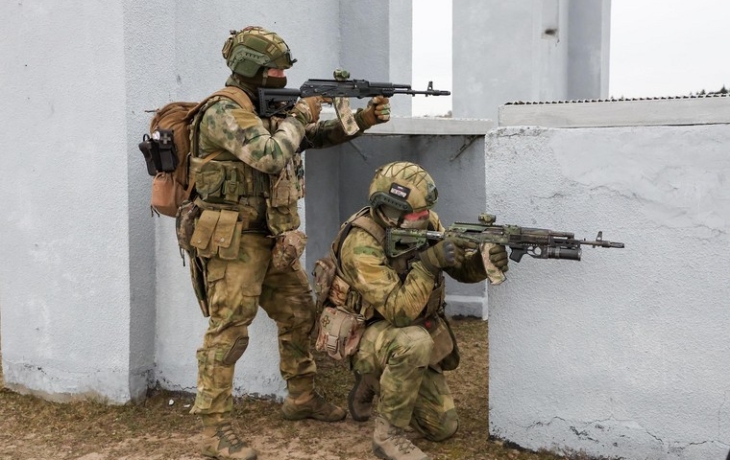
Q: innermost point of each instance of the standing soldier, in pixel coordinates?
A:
(248, 176)
(407, 342)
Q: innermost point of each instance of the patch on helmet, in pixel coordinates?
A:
(399, 190)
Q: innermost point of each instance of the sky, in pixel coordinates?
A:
(657, 48)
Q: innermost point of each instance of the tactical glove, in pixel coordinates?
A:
(377, 111)
(498, 256)
(307, 110)
(447, 253)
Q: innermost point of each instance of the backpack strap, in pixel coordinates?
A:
(360, 219)
(233, 93)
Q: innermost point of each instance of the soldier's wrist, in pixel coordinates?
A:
(362, 123)
(429, 267)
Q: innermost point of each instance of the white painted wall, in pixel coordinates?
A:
(527, 50)
(94, 298)
(624, 354)
(65, 277)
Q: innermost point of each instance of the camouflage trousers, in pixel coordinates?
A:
(411, 392)
(235, 289)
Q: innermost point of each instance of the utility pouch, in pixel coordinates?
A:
(445, 352)
(338, 291)
(146, 148)
(159, 151)
(185, 224)
(167, 194)
(287, 250)
(282, 219)
(339, 333)
(323, 274)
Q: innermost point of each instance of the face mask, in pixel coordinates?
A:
(416, 220)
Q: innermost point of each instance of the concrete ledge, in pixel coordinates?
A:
(426, 126)
(433, 127)
(609, 113)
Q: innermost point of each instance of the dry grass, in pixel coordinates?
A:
(31, 428)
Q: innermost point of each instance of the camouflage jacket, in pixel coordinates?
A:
(398, 298)
(265, 144)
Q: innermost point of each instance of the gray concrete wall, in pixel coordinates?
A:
(533, 50)
(69, 314)
(624, 354)
(95, 300)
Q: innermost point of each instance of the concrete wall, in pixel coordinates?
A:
(624, 354)
(95, 299)
(527, 50)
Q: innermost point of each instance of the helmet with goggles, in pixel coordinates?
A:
(401, 186)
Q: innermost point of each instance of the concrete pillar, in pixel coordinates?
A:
(77, 278)
(532, 50)
(384, 56)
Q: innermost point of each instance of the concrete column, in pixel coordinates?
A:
(77, 278)
(377, 44)
(527, 50)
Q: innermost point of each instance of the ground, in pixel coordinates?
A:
(32, 429)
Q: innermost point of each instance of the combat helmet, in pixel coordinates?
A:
(402, 186)
(248, 51)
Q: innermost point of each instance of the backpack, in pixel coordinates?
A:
(167, 147)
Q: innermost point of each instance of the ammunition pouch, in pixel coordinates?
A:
(217, 233)
(226, 182)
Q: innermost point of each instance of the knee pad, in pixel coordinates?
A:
(235, 351)
(448, 427)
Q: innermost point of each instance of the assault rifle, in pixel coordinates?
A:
(540, 243)
(274, 101)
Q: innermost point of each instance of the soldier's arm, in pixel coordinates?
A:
(365, 267)
(227, 126)
(472, 270)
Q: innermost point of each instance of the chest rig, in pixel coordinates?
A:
(264, 203)
(342, 294)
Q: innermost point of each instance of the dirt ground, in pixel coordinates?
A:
(33, 429)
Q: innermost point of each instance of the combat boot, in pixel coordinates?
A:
(222, 442)
(390, 443)
(311, 405)
(360, 399)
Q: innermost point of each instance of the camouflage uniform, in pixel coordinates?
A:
(397, 345)
(256, 176)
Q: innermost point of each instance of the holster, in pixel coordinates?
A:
(197, 274)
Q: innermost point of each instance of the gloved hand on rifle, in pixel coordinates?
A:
(377, 111)
(498, 256)
(307, 109)
(447, 253)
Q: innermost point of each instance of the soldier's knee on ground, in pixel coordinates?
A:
(236, 350)
(447, 428)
